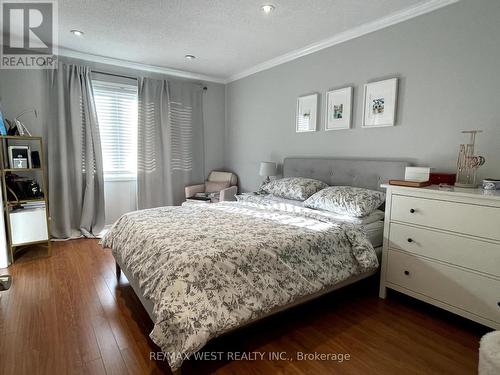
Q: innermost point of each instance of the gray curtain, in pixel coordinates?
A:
(170, 141)
(74, 157)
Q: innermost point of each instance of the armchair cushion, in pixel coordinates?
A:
(217, 176)
(190, 191)
(215, 187)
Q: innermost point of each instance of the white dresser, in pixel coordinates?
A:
(443, 247)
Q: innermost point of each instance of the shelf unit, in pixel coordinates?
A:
(5, 170)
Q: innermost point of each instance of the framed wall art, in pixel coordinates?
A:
(19, 157)
(338, 109)
(380, 100)
(307, 113)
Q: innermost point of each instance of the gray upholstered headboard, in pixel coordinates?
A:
(366, 173)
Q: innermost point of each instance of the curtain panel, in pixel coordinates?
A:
(170, 141)
(74, 157)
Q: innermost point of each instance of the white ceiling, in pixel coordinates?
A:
(229, 37)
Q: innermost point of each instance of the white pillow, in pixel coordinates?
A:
(298, 188)
(346, 200)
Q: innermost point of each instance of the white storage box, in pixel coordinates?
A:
(417, 173)
(28, 225)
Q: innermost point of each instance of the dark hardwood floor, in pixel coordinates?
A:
(68, 315)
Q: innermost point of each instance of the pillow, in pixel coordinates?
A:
(346, 200)
(297, 188)
(215, 187)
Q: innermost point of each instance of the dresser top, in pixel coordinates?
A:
(455, 191)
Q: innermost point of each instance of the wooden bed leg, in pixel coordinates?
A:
(118, 271)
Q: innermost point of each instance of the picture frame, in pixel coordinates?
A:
(339, 109)
(307, 113)
(19, 157)
(380, 103)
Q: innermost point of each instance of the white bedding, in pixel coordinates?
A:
(204, 279)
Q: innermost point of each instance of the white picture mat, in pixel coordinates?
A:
(11, 156)
(334, 98)
(307, 104)
(386, 90)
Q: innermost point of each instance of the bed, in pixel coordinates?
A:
(203, 271)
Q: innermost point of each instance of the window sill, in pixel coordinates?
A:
(124, 177)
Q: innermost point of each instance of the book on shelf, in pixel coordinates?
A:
(34, 204)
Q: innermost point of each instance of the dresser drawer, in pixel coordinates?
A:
(466, 252)
(475, 220)
(479, 295)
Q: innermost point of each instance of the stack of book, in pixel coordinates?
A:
(409, 183)
(37, 204)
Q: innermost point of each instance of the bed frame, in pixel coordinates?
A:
(366, 173)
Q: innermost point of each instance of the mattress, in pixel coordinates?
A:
(375, 233)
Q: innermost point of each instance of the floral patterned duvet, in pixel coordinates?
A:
(211, 268)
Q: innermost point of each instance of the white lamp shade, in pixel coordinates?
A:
(267, 168)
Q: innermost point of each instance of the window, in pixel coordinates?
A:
(116, 106)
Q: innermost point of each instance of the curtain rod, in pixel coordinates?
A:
(114, 75)
(205, 88)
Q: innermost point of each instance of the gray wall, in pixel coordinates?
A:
(448, 62)
(21, 89)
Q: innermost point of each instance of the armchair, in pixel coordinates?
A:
(220, 186)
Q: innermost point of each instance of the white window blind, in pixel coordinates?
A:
(116, 106)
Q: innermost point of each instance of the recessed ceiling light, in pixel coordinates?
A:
(77, 32)
(190, 57)
(267, 8)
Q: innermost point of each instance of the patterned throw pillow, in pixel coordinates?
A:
(298, 188)
(346, 200)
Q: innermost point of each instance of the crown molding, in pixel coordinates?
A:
(138, 66)
(342, 37)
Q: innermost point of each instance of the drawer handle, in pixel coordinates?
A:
(407, 273)
(412, 210)
(410, 240)
(498, 304)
